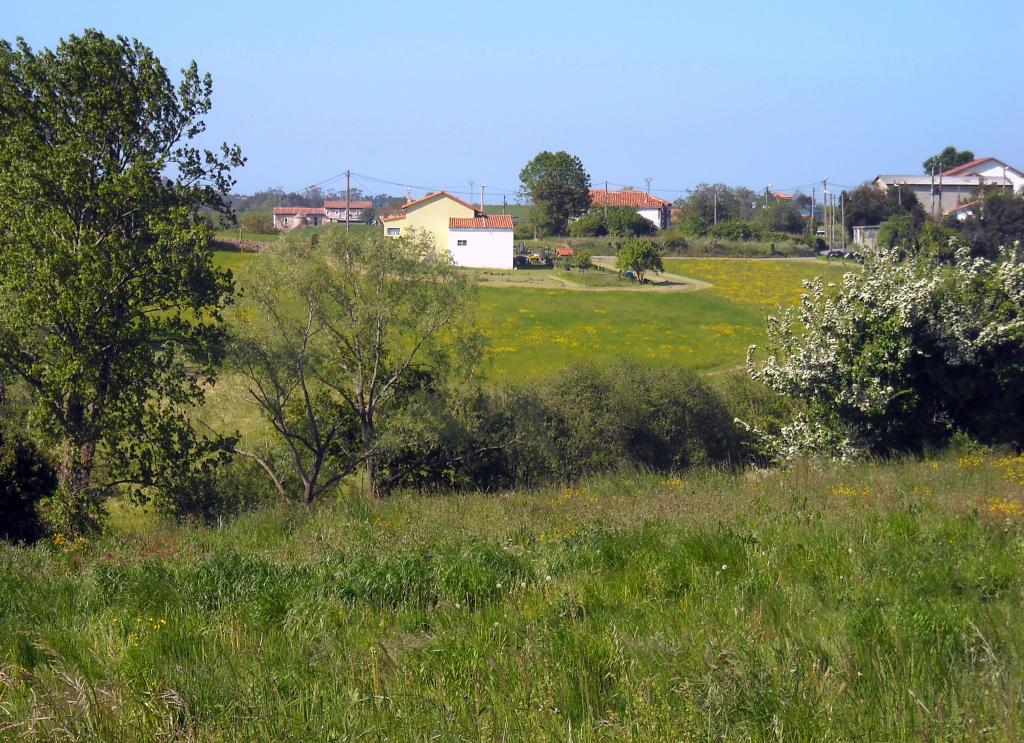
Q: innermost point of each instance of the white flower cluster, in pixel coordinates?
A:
(857, 354)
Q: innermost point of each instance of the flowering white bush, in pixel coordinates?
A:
(900, 355)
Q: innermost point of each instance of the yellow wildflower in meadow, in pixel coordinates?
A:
(1003, 508)
(1013, 469)
(971, 461)
(843, 490)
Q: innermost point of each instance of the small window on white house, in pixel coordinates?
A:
(461, 243)
(394, 231)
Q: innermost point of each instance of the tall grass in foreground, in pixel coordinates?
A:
(881, 602)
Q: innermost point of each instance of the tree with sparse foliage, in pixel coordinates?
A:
(639, 256)
(109, 300)
(337, 339)
(559, 188)
(259, 222)
(950, 157)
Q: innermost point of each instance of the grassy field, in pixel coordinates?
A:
(535, 332)
(878, 602)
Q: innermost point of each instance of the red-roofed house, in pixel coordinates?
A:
(657, 211)
(481, 242)
(989, 168)
(334, 210)
(292, 217)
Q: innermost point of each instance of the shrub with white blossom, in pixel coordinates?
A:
(900, 356)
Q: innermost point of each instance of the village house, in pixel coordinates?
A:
(472, 238)
(293, 217)
(655, 210)
(946, 191)
(339, 211)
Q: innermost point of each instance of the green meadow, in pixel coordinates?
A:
(538, 331)
(875, 602)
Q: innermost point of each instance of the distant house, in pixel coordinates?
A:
(992, 169)
(564, 251)
(357, 210)
(657, 211)
(293, 217)
(481, 242)
(471, 238)
(866, 234)
(963, 211)
(948, 190)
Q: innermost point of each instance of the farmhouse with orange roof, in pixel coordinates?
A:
(472, 238)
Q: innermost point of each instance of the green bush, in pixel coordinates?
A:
(591, 224)
(523, 231)
(734, 229)
(26, 478)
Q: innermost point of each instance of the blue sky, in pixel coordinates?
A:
(437, 94)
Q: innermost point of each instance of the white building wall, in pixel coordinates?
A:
(651, 215)
(994, 171)
(481, 248)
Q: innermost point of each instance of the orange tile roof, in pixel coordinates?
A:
(435, 194)
(392, 217)
(967, 166)
(493, 222)
(297, 210)
(635, 199)
(340, 204)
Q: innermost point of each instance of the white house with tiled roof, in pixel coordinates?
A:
(471, 238)
(339, 211)
(991, 169)
(942, 193)
(293, 217)
(481, 242)
(657, 211)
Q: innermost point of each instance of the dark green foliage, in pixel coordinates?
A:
(781, 215)
(624, 221)
(733, 230)
(950, 157)
(693, 225)
(869, 205)
(559, 188)
(522, 231)
(591, 224)
(618, 221)
(586, 420)
(898, 232)
(26, 478)
(997, 222)
(109, 301)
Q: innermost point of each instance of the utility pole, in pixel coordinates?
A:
(648, 179)
(766, 190)
(482, 212)
(842, 206)
(504, 203)
(810, 222)
(716, 205)
(348, 197)
(933, 192)
(606, 202)
(471, 184)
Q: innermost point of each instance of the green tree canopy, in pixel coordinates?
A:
(997, 222)
(337, 340)
(109, 301)
(559, 188)
(950, 157)
(639, 256)
(867, 204)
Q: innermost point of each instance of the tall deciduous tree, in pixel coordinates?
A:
(109, 301)
(559, 188)
(950, 157)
